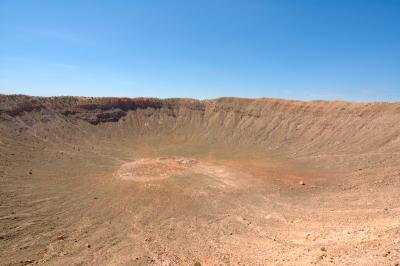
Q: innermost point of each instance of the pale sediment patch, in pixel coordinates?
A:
(149, 169)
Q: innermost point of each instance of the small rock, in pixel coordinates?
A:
(323, 249)
(301, 183)
(88, 245)
(61, 237)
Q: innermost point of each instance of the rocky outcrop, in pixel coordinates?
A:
(92, 110)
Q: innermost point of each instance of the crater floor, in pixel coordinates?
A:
(87, 181)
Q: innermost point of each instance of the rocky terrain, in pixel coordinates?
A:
(119, 181)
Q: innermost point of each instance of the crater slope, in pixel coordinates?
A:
(119, 181)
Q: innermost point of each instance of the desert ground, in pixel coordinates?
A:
(143, 181)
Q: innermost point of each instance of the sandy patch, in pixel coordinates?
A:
(149, 169)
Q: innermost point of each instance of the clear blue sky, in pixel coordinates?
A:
(343, 49)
